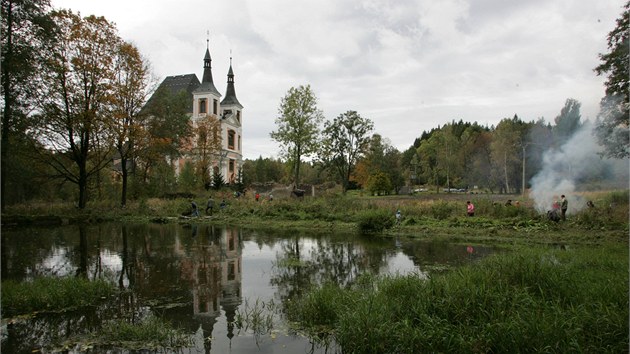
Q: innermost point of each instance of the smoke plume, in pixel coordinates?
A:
(576, 167)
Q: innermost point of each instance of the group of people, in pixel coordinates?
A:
(194, 209)
(559, 207)
(209, 207)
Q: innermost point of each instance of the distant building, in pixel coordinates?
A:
(205, 100)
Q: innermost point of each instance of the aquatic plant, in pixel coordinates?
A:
(51, 294)
(151, 332)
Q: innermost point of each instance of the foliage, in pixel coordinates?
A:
(217, 180)
(25, 24)
(613, 122)
(567, 122)
(207, 147)
(298, 126)
(51, 294)
(78, 74)
(187, 179)
(345, 140)
(506, 152)
(580, 297)
(379, 183)
(374, 220)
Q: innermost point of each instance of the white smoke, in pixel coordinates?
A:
(568, 169)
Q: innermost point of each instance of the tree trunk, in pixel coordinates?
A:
(8, 108)
(125, 174)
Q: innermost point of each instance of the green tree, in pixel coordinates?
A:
(345, 141)
(25, 25)
(567, 122)
(187, 179)
(129, 90)
(167, 130)
(78, 75)
(298, 126)
(506, 152)
(613, 122)
(379, 183)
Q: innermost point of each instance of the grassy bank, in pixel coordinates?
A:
(530, 301)
(424, 215)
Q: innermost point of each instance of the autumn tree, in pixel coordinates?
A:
(26, 24)
(345, 140)
(298, 126)
(130, 84)
(207, 147)
(78, 75)
(613, 122)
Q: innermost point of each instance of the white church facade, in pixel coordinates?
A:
(206, 102)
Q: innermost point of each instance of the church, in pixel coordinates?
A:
(205, 100)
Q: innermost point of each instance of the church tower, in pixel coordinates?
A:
(206, 97)
(232, 129)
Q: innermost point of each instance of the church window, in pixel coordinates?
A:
(215, 106)
(238, 116)
(231, 135)
(239, 143)
(202, 105)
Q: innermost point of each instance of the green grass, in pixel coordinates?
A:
(51, 294)
(526, 301)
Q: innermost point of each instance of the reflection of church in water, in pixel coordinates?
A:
(213, 270)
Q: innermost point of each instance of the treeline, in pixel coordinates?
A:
(459, 155)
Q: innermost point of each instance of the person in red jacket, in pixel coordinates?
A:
(470, 209)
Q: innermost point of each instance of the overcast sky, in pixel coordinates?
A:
(408, 65)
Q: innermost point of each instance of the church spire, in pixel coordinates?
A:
(207, 84)
(230, 92)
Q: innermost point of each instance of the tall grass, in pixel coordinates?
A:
(151, 332)
(534, 301)
(51, 294)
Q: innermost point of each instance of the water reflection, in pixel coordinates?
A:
(199, 276)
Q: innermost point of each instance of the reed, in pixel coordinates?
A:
(52, 294)
(529, 301)
(151, 332)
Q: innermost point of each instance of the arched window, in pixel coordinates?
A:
(202, 105)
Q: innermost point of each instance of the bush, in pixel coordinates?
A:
(375, 220)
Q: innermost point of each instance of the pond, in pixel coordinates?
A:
(202, 279)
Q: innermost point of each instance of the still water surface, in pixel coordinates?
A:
(201, 277)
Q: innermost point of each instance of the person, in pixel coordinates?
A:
(509, 202)
(398, 217)
(195, 210)
(564, 205)
(470, 209)
(223, 204)
(257, 196)
(209, 205)
(517, 203)
(270, 197)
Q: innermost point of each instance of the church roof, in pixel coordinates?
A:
(177, 83)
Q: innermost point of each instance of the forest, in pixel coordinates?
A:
(76, 126)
